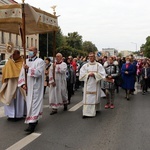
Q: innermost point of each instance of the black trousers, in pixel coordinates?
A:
(70, 90)
(145, 84)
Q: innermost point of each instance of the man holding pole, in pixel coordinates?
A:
(34, 68)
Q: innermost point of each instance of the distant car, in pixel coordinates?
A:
(2, 64)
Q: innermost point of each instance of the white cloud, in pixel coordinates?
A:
(107, 23)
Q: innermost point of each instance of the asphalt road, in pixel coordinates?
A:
(127, 127)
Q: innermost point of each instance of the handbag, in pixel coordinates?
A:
(119, 81)
(109, 80)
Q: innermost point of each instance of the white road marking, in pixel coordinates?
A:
(45, 106)
(77, 106)
(23, 142)
(2, 112)
(74, 108)
(137, 88)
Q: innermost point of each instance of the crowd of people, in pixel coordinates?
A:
(24, 84)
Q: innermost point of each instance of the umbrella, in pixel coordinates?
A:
(25, 20)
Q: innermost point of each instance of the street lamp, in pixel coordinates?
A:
(135, 45)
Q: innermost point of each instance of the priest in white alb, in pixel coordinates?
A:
(92, 73)
(58, 85)
(35, 80)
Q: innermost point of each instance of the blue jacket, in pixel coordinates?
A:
(128, 79)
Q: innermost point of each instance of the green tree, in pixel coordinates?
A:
(74, 40)
(120, 54)
(142, 48)
(60, 40)
(67, 51)
(88, 46)
(147, 47)
(67, 45)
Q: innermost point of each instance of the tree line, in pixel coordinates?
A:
(145, 48)
(71, 44)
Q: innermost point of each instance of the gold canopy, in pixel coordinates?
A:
(37, 21)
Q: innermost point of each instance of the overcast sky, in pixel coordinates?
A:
(120, 24)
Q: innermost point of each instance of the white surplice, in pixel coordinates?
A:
(58, 94)
(35, 82)
(17, 107)
(92, 90)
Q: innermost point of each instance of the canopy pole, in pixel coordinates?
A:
(54, 52)
(54, 44)
(24, 39)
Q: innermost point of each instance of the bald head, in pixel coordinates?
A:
(59, 54)
(59, 57)
(34, 50)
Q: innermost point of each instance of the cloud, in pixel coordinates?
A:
(107, 23)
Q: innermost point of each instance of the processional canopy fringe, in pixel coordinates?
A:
(37, 21)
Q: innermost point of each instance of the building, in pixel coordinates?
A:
(32, 40)
(125, 53)
(109, 51)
